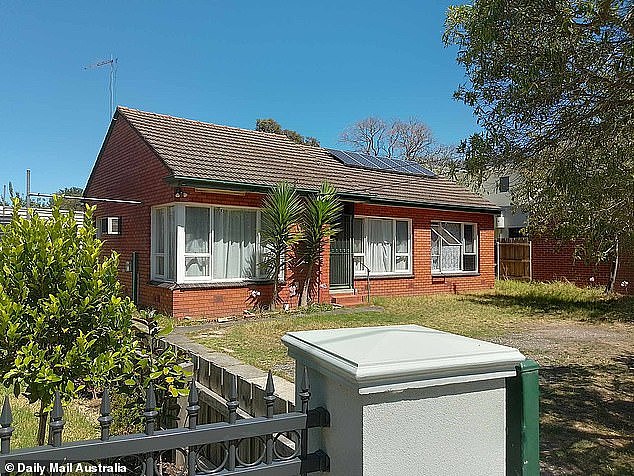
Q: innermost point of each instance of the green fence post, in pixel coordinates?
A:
(522, 421)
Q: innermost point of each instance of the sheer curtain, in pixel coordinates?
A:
(196, 241)
(233, 253)
(379, 245)
(451, 247)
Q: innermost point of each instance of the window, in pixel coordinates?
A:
(504, 184)
(381, 244)
(109, 226)
(454, 247)
(219, 244)
(163, 244)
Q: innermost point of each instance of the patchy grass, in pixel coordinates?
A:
(482, 315)
(80, 417)
(582, 339)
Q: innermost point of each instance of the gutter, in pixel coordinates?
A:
(184, 181)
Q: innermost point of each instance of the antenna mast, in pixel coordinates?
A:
(112, 62)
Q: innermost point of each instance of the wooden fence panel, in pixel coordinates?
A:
(514, 259)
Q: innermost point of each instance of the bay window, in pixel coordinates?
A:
(384, 245)
(454, 247)
(215, 244)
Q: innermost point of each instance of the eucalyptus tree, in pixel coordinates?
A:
(280, 214)
(552, 86)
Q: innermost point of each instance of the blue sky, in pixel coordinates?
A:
(313, 66)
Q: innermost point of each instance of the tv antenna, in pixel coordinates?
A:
(112, 63)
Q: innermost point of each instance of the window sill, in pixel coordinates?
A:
(212, 285)
(455, 274)
(384, 276)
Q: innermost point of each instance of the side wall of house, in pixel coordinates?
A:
(553, 260)
(128, 169)
(422, 281)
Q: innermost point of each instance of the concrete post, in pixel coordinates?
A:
(407, 399)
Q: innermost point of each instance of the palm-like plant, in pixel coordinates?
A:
(317, 223)
(280, 213)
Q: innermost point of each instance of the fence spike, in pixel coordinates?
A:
(232, 406)
(150, 412)
(6, 417)
(193, 407)
(304, 395)
(6, 430)
(105, 419)
(150, 398)
(57, 421)
(269, 397)
(58, 411)
(270, 385)
(232, 399)
(305, 380)
(105, 403)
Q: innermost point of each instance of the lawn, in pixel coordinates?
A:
(583, 340)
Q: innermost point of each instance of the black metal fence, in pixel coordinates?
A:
(210, 449)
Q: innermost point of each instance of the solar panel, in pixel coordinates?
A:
(366, 161)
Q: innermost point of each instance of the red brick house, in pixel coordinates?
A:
(191, 246)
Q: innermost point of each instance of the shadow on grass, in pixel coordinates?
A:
(587, 424)
(609, 309)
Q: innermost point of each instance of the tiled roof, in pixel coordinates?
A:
(228, 155)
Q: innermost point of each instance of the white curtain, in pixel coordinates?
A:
(233, 253)
(450, 258)
(379, 251)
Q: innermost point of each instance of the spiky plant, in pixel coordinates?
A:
(280, 214)
(318, 222)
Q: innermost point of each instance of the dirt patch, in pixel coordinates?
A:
(586, 385)
(561, 342)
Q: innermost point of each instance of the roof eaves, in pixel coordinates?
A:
(180, 180)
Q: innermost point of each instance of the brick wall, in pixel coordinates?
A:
(128, 169)
(553, 260)
(422, 281)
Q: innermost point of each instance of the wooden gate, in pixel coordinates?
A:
(514, 259)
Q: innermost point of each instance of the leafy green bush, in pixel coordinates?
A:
(64, 322)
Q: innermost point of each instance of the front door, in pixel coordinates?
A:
(341, 265)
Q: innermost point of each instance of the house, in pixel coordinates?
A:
(498, 188)
(191, 247)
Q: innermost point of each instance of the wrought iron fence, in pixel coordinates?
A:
(210, 449)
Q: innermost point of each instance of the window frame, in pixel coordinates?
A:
(409, 254)
(109, 221)
(463, 252)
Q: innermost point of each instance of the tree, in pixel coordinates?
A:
(64, 323)
(273, 127)
(280, 213)
(317, 224)
(409, 139)
(60, 306)
(552, 85)
(69, 203)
